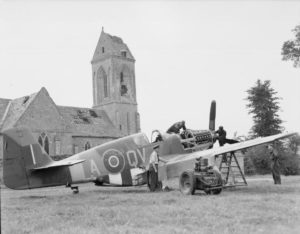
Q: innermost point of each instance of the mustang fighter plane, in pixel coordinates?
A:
(121, 162)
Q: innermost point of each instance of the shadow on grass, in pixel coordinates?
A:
(33, 197)
(259, 189)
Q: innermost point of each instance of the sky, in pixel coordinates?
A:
(187, 53)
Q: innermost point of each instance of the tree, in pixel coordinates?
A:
(263, 105)
(291, 49)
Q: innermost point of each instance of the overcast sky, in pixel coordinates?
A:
(187, 54)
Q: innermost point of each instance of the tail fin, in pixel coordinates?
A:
(21, 153)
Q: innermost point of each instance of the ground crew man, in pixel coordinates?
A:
(175, 128)
(153, 182)
(221, 136)
(275, 167)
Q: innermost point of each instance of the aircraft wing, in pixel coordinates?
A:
(176, 165)
(61, 163)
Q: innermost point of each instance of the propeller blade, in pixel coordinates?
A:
(212, 116)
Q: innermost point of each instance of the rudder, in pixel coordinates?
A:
(21, 153)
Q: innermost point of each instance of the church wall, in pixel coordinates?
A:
(126, 66)
(118, 113)
(42, 114)
(42, 117)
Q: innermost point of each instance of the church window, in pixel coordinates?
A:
(105, 86)
(40, 141)
(128, 123)
(57, 147)
(102, 50)
(123, 53)
(123, 88)
(137, 121)
(87, 145)
(102, 85)
(76, 149)
(46, 144)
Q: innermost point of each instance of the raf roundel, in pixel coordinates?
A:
(113, 161)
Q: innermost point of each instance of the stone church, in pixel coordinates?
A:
(63, 130)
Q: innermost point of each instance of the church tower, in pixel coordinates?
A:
(114, 89)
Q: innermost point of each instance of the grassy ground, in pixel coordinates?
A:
(261, 207)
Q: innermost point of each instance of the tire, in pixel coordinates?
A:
(220, 183)
(216, 191)
(187, 182)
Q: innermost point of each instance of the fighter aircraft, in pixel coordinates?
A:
(122, 162)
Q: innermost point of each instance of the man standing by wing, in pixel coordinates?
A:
(275, 167)
(153, 183)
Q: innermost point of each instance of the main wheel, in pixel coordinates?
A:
(219, 182)
(187, 182)
(216, 191)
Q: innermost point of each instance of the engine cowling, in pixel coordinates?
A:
(199, 136)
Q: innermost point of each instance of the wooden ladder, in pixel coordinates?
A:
(229, 167)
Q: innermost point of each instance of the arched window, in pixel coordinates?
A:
(102, 84)
(41, 141)
(125, 82)
(128, 123)
(87, 146)
(46, 144)
(105, 88)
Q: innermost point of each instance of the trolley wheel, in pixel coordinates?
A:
(216, 191)
(187, 182)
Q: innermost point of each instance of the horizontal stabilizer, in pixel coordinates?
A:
(61, 163)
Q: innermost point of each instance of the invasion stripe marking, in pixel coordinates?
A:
(115, 179)
(32, 154)
(126, 177)
(77, 173)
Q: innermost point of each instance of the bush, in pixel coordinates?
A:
(258, 159)
(290, 164)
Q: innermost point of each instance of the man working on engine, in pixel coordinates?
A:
(175, 128)
(221, 137)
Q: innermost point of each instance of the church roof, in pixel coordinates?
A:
(3, 107)
(109, 45)
(14, 110)
(88, 122)
(85, 122)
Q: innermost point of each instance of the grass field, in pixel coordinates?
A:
(261, 207)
